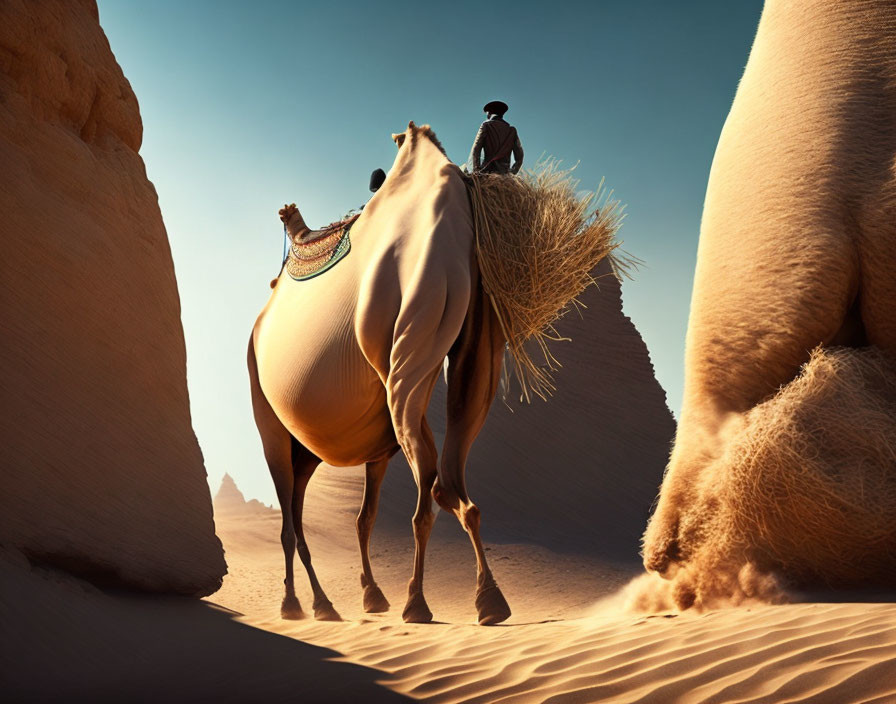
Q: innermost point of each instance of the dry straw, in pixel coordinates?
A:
(537, 243)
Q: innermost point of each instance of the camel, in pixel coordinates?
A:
(798, 238)
(342, 367)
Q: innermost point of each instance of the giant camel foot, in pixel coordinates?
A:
(662, 550)
(290, 609)
(416, 610)
(491, 605)
(324, 611)
(375, 601)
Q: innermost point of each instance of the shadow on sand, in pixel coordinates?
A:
(63, 640)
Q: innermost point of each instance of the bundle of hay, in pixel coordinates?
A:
(811, 478)
(537, 243)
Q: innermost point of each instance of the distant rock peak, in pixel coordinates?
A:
(229, 498)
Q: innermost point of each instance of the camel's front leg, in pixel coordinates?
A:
(374, 600)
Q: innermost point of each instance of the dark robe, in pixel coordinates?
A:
(498, 140)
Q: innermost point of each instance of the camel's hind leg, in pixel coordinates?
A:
(420, 450)
(303, 465)
(408, 398)
(474, 371)
(374, 600)
(429, 321)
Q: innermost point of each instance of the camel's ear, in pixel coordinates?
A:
(399, 138)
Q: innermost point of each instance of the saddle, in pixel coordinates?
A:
(319, 250)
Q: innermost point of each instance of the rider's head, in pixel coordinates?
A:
(495, 108)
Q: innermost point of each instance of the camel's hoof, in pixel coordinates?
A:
(290, 609)
(375, 601)
(662, 553)
(491, 605)
(324, 611)
(416, 610)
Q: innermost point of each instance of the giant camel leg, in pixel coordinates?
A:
(474, 370)
(374, 600)
(796, 239)
(276, 442)
(746, 338)
(304, 463)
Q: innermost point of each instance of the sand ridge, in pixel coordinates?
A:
(819, 652)
(558, 646)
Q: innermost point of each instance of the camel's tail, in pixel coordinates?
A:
(537, 242)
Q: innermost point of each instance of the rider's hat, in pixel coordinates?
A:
(496, 107)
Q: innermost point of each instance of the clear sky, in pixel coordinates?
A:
(249, 105)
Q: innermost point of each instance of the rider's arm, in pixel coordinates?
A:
(476, 152)
(517, 156)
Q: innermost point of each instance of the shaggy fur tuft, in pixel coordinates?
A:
(537, 243)
(804, 495)
(812, 475)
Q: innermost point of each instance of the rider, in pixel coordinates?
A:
(499, 140)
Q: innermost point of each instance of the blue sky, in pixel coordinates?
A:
(250, 105)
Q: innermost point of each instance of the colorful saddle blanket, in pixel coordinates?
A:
(320, 251)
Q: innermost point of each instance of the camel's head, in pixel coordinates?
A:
(413, 132)
(292, 218)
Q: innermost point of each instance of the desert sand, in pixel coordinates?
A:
(564, 642)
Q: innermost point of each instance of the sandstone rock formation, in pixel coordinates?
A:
(101, 472)
(578, 472)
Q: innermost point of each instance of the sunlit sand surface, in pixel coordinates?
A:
(560, 644)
